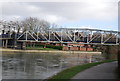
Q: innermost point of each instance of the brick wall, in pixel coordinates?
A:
(77, 48)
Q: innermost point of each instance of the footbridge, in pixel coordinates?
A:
(64, 35)
(71, 35)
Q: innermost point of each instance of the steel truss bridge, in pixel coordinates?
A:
(71, 35)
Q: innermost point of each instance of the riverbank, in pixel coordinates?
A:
(46, 51)
(67, 74)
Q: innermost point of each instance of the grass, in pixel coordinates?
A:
(67, 74)
(48, 47)
(39, 48)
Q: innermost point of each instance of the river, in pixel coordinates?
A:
(27, 65)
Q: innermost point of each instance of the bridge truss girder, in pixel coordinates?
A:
(67, 35)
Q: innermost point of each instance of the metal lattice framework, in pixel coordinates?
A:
(72, 35)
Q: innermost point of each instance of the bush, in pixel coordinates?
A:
(55, 47)
(48, 46)
(41, 45)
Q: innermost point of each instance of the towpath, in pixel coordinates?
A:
(102, 71)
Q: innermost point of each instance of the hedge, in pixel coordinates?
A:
(49, 46)
(55, 47)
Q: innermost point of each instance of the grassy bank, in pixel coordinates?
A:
(67, 74)
(50, 51)
(38, 48)
(45, 47)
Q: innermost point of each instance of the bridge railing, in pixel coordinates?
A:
(5, 36)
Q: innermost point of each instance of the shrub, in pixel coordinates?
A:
(55, 47)
(48, 46)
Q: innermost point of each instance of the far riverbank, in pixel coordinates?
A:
(52, 51)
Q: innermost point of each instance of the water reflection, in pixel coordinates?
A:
(41, 65)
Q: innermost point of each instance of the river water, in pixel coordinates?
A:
(22, 65)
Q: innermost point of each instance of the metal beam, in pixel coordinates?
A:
(70, 33)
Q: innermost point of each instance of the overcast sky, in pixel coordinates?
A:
(101, 14)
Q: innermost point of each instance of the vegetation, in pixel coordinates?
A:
(55, 47)
(30, 24)
(47, 47)
(67, 74)
(38, 48)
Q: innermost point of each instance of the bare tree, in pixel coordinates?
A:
(28, 24)
(15, 26)
(34, 24)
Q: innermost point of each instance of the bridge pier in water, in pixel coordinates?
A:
(4, 43)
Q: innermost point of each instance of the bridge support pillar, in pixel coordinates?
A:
(86, 46)
(79, 48)
(3, 43)
(24, 45)
(6, 43)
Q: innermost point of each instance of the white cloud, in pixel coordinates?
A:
(32, 8)
(58, 12)
(53, 18)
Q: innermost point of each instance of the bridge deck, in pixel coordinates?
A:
(113, 43)
(5, 38)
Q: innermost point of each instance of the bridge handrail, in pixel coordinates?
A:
(85, 29)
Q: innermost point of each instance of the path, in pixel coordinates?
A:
(102, 71)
